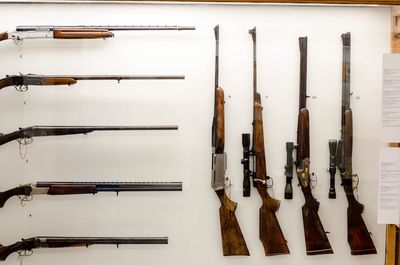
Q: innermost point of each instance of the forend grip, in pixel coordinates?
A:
(219, 121)
(5, 138)
(3, 36)
(71, 189)
(22, 190)
(348, 133)
(303, 135)
(82, 34)
(54, 81)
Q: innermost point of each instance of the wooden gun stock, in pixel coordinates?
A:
(6, 138)
(358, 237)
(6, 251)
(19, 191)
(270, 231)
(6, 82)
(219, 121)
(82, 34)
(3, 36)
(54, 81)
(271, 234)
(232, 238)
(316, 240)
(357, 233)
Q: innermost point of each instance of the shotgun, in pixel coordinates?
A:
(358, 235)
(76, 32)
(26, 192)
(315, 236)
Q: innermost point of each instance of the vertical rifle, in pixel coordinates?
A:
(232, 239)
(357, 233)
(270, 231)
(316, 240)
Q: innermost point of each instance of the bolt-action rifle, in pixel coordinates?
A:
(270, 232)
(233, 242)
(25, 246)
(358, 236)
(22, 82)
(26, 192)
(315, 236)
(75, 32)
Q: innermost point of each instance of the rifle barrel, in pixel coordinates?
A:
(108, 77)
(105, 240)
(112, 28)
(119, 186)
(253, 33)
(108, 128)
(303, 72)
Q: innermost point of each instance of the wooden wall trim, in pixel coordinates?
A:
(272, 2)
(341, 2)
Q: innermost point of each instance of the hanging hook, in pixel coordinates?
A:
(269, 182)
(24, 253)
(17, 41)
(355, 180)
(228, 185)
(354, 183)
(313, 180)
(24, 142)
(24, 198)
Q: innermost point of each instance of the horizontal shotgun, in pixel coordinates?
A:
(76, 32)
(25, 192)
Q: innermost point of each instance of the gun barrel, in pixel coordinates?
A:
(108, 27)
(118, 77)
(104, 240)
(118, 186)
(102, 77)
(303, 72)
(108, 128)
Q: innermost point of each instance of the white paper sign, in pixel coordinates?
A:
(390, 119)
(389, 186)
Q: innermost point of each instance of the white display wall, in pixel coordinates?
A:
(189, 218)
